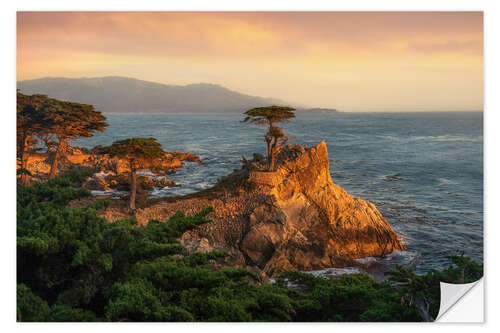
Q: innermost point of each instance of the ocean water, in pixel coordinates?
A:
(435, 201)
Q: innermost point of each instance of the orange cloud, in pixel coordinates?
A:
(297, 56)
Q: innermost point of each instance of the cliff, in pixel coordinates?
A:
(293, 218)
(322, 224)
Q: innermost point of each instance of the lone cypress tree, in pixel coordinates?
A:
(275, 137)
(140, 153)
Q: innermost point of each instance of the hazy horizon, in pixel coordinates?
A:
(211, 83)
(350, 61)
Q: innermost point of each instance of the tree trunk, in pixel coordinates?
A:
(273, 157)
(273, 154)
(269, 148)
(423, 309)
(271, 167)
(55, 161)
(133, 189)
(269, 140)
(25, 178)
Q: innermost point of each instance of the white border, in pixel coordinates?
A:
(491, 116)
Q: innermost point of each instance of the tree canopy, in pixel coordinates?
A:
(141, 153)
(269, 114)
(70, 120)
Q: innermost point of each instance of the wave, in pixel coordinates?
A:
(435, 138)
(445, 181)
(109, 192)
(204, 185)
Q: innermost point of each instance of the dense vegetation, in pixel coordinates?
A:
(72, 265)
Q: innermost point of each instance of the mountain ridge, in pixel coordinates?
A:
(119, 94)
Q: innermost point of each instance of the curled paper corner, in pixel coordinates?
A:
(461, 302)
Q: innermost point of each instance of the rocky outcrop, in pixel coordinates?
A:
(312, 222)
(114, 169)
(292, 218)
(103, 181)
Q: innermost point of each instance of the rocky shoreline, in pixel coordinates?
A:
(294, 218)
(108, 173)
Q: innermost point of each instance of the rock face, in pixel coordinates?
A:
(292, 218)
(311, 222)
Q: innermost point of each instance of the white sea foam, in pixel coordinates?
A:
(445, 181)
(102, 174)
(335, 272)
(448, 138)
(204, 185)
(108, 192)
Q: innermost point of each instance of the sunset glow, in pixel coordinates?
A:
(352, 61)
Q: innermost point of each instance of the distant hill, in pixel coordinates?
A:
(320, 110)
(127, 95)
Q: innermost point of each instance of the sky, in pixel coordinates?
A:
(351, 61)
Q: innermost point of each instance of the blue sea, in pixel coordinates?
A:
(435, 201)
